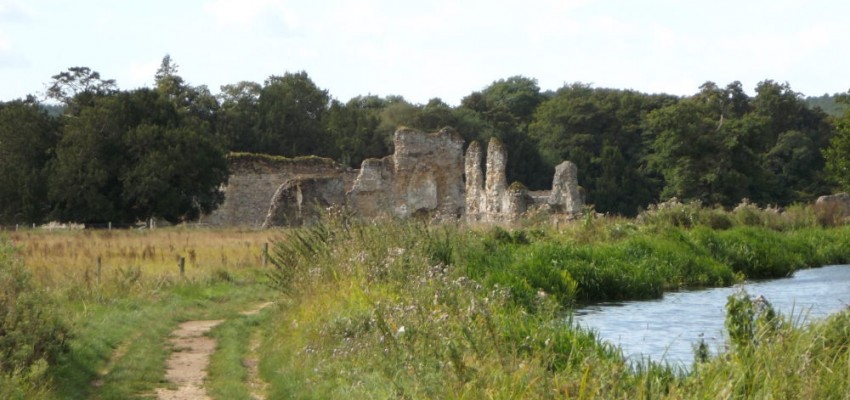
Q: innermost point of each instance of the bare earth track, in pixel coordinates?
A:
(187, 366)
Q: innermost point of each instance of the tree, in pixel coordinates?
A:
(519, 95)
(354, 129)
(78, 87)
(291, 109)
(132, 156)
(434, 116)
(700, 148)
(27, 139)
(789, 139)
(172, 173)
(239, 115)
(837, 155)
(194, 101)
(601, 131)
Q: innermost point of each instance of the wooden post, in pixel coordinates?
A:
(110, 225)
(99, 265)
(182, 265)
(265, 253)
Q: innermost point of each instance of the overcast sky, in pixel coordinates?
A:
(426, 49)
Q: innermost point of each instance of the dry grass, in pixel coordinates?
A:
(60, 259)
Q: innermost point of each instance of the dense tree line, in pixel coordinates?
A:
(112, 155)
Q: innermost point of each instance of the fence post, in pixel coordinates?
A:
(99, 265)
(265, 253)
(110, 225)
(182, 265)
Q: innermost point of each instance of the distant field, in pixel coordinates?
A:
(56, 257)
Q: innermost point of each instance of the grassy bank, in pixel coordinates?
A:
(404, 309)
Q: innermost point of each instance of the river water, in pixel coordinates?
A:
(666, 329)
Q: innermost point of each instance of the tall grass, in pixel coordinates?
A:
(412, 310)
(107, 264)
(771, 357)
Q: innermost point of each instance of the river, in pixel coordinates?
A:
(666, 329)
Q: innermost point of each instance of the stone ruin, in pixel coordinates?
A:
(490, 199)
(426, 176)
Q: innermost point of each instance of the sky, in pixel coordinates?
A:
(424, 49)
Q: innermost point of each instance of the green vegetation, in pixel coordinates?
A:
(32, 335)
(402, 309)
(88, 314)
(393, 308)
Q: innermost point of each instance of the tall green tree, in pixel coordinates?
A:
(239, 116)
(519, 95)
(789, 140)
(135, 155)
(602, 131)
(354, 130)
(699, 150)
(837, 154)
(28, 136)
(291, 110)
(434, 116)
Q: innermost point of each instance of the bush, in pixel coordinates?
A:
(30, 331)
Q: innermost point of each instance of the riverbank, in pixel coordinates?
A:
(403, 309)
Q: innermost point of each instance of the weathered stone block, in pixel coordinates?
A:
(566, 196)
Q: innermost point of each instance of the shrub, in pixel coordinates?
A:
(31, 334)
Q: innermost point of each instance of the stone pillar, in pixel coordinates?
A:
(566, 196)
(474, 180)
(495, 183)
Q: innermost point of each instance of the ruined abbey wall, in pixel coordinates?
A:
(254, 180)
(423, 176)
(428, 176)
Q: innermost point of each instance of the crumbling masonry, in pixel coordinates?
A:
(426, 176)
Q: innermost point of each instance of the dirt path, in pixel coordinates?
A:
(187, 366)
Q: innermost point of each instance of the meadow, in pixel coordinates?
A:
(411, 309)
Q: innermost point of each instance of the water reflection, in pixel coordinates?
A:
(665, 329)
